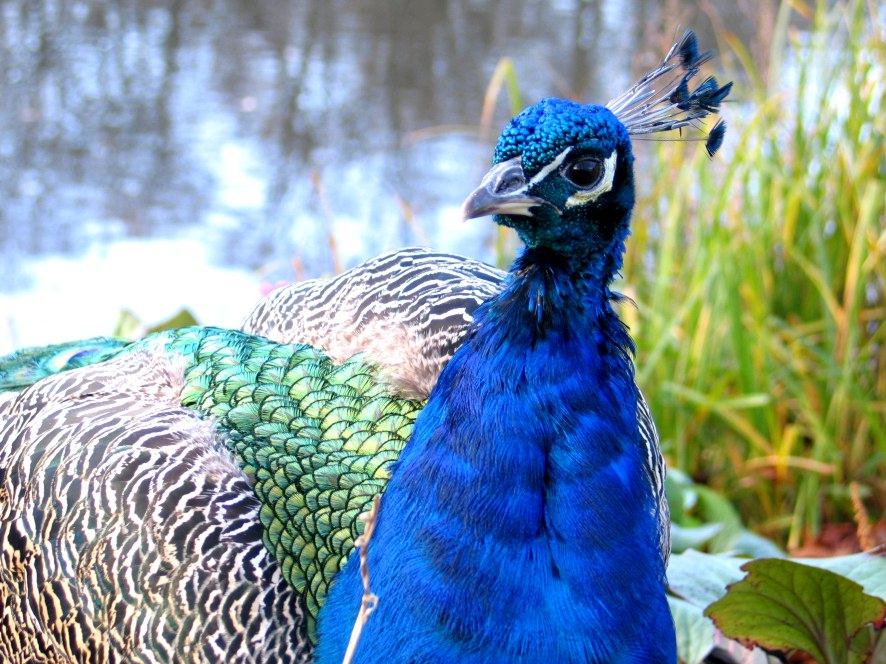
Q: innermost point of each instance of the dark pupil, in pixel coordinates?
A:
(585, 173)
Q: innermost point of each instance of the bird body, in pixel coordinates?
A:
(496, 538)
(195, 496)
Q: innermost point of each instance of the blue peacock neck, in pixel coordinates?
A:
(519, 525)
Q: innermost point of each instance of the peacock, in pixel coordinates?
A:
(195, 496)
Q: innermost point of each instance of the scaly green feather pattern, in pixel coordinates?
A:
(318, 439)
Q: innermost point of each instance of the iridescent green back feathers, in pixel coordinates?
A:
(318, 439)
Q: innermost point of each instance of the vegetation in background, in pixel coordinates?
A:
(760, 286)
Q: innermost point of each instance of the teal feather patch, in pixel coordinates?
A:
(25, 367)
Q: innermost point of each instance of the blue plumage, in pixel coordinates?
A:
(715, 138)
(521, 522)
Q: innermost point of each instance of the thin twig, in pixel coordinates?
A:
(369, 600)
(862, 520)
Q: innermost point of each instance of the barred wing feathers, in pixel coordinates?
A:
(128, 531)
(406, 311)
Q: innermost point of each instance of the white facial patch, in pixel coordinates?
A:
(551, 167)
(605, 184)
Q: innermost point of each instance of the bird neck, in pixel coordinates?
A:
(561, 295)
(519, 523)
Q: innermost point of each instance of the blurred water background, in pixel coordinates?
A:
(159, 154)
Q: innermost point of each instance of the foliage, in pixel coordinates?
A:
(783, 605)
(760, 279)
(703, 518)
(130, 327)
(826, 607)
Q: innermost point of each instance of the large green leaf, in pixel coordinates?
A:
(866, 569)
(783, 605)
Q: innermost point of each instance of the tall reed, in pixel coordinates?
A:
(760, 283)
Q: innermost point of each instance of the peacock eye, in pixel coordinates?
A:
(584, 173)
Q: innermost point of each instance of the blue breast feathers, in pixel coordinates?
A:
(519, 524)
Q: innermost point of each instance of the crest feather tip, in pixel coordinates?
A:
(664, 99)
(715, 138)
(688, 49)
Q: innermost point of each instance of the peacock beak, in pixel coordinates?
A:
(503, 190)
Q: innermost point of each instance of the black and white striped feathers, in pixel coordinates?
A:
(405, 311)
(127, 531)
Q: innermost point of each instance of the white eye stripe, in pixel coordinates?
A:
(553, 165)
(605, 184)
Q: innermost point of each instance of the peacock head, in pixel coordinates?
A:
(562, 173)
